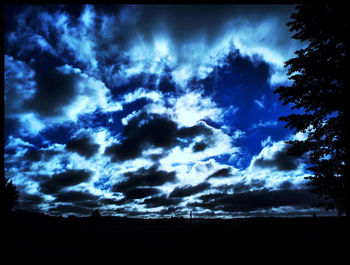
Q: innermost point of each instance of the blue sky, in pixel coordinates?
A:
(151, 111)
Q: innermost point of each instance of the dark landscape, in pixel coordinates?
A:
(40, 237)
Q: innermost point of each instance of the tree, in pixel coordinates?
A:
(319, 87)
(9, 195)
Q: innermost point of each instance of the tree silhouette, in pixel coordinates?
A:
(9, 195)
(319, 89)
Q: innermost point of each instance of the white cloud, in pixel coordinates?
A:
(15, 142)
(259, 103)
(193, 107)
(31, 124)
(263, 124)
(266, 142)
(277, 169)
(220, 144)
(141, 93)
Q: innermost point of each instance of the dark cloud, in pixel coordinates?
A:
(257, 183)
(171, 210)
(109, 201)
(241, 187)
(175, 19)
(189, 190)
(54, 90)
(161, 200)
(144, 177)
(77, 202)
(35, 155)
(129, 211)
(244, 186)
(74, 196)
(32, 155)
(57, 182)
(199, 146)
(255, 200)
(29, 202)
(166, 83)
(286, 185)
(151, 130)
(221, 173)
(280, 160)
(139, 193)
(83, 146)
(157, 131)
(70, 209)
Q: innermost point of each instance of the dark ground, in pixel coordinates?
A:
(35, 237)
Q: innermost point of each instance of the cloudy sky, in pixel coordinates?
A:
(151, 111)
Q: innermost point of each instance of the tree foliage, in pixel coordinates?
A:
(319, 87)
(8, 193)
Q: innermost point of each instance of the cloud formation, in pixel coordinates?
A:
(57, 182)
(144, 177)
(277, 157)
(188, 190)
(146, 110)
(152, 130)
(254, 200)
(83, 146)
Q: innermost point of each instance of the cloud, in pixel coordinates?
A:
(29, 202)
(137, 84)
(161, 201)
(83, 146)
(57, 182)
(40, 95)
(166, 83)
(19, 84)
(200, 146)
(221, 173)
(144, 177)
(266, 142)
(152, 39)
(277, 157)
(193, 106)
(245, 185)
(139, 193)
(54, 90)
(259, 103)
(247, 28)
(189, 190)
(152, 130)
(264, 124)
(275, 166)
(74, 196)
(254, 200)
(141, 133)
(39, 155)
(66, 209)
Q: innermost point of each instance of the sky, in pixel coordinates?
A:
(151, 111)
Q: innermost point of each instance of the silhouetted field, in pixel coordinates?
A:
(34, 237)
